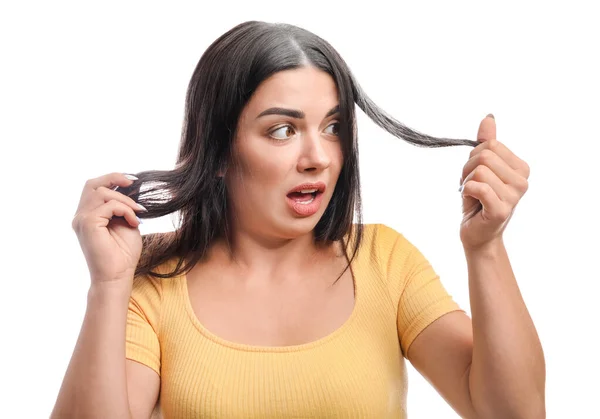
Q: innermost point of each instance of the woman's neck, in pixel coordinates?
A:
(255, 255)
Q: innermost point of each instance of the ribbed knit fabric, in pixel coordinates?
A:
(358, 371)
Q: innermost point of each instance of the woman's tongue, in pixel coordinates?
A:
(301, 197)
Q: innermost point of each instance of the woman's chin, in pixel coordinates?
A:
(297, 227)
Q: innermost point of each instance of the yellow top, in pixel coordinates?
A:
(355, 372)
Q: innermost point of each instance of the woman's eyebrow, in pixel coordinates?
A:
(293, 113)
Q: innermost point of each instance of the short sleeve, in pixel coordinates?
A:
(421, 297)
(143, 322)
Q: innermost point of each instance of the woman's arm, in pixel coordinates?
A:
(508, 369)
(492, 366)
(95, 384)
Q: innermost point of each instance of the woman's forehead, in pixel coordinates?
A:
(305, 89)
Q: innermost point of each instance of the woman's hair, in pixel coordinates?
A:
(225, 78)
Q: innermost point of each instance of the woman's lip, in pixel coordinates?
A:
(319, 186)
(305, 210)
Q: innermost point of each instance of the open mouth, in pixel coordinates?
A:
(304, 197)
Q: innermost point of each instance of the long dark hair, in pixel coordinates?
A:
(225, 78)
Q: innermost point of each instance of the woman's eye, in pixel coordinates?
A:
(336, 130)
(285, 132)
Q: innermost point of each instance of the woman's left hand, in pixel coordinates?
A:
(495, 179)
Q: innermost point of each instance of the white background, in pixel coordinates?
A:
(87, 89)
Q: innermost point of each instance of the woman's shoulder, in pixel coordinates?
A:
(386, 246)
(381, 237)
(154, 284)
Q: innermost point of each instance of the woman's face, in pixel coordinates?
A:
(287, 154)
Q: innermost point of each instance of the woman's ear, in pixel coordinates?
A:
(222, 171)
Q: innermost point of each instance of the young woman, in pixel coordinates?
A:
(268, 300)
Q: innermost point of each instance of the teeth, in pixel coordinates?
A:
(306, 202)
(308, 190)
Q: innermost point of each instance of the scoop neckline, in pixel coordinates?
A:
(184, 292)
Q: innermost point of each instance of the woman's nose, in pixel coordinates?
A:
(314, 156)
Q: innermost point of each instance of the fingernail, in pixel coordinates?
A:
(490, 115)
(131, 177)
(461, 188)
(139, 219)
(143, 208)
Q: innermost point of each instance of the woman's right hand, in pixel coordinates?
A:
(112, 247)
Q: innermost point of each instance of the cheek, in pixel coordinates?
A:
(337, 156)
(259, 164)
(267, 166)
